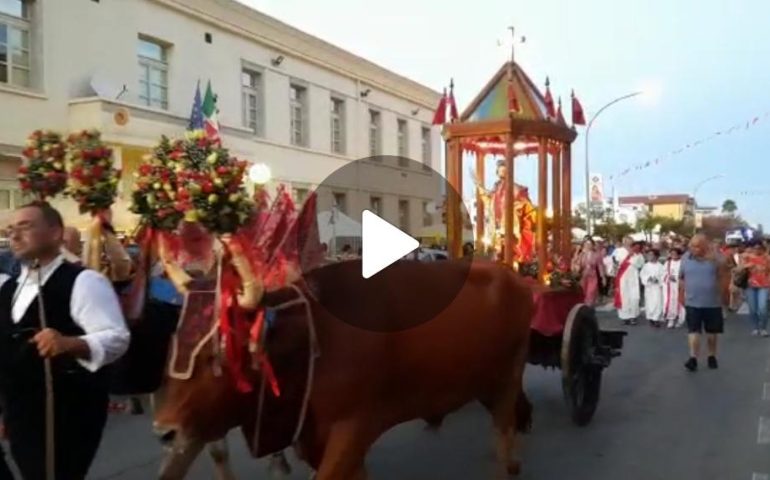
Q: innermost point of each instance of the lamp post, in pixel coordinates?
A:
(694, 198)
(588, 164)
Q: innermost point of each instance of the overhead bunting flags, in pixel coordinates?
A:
(752, 122)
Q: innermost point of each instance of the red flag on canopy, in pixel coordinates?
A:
(560, 115)
(439, 118)
(549, 108)
(453, 114)
(578, 117)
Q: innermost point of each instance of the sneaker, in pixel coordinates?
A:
(764, 333)
(691, 364)
(713, 362)
(755, 333)
(670, 326)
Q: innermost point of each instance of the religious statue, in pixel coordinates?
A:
(523, 215)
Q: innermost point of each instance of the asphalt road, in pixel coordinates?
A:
(655, 421)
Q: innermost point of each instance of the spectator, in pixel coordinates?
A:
(757, 262)
(588, 264)
(703, 281)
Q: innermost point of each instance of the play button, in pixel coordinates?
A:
(382, 244)
(370, 214)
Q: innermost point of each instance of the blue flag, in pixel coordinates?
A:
(196, 116)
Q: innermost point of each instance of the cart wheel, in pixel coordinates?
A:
(581, 378)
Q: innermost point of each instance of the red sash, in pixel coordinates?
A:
(621, 270)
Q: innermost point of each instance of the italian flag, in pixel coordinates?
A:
(210, 124)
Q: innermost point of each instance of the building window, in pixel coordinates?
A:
(338, 125)
(374, 133)
(403, 214)
(425, 141)
(252, 99)
(427, 217)
(20, 199)
(298, 105)
(300, 195)
(153, 74)
(341, 202)
(5, 199)
(375, 205)
(15, 61)
(403, 143)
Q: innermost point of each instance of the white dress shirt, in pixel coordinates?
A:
(94, 307)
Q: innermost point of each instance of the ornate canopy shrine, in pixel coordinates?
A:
(511, 118)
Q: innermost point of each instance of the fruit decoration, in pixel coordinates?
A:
(43, 174)
(209, 184)
(154, 197)
(93, 180)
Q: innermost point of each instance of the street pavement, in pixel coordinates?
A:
(655, 421)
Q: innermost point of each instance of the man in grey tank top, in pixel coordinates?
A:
(704, 280)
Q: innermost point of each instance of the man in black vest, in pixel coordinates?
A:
(85, 330)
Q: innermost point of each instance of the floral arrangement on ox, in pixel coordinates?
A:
(210, 184)
(43, 174)
(154, 197)
(93, 180)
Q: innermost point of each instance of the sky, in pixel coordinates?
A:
(706, 62)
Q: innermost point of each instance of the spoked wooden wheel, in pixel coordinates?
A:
(581, 374)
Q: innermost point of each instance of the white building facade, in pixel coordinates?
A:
(287, 99)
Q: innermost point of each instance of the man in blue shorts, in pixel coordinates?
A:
(704, 278)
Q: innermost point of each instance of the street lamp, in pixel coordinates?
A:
(695, 193)
(588, 164)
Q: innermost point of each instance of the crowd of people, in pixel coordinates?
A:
(680, 281)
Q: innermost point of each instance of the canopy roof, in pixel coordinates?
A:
(492, 102)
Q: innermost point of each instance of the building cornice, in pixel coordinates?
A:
(284, 39)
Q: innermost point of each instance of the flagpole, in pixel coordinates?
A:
(589, 230)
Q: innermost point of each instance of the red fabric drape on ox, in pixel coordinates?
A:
(621, 270)
(578, 116)
(439, 118)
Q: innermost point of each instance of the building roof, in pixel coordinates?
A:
(245, 21)
(666, 199)
(492, 102)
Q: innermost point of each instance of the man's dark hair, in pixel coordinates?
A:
(51, 216)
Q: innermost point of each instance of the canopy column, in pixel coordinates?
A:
(508, 210)
(480, 212)
(541, 244)
(556, 225)
(566, 199)
(453, 199)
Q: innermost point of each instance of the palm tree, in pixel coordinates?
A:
(729, 207)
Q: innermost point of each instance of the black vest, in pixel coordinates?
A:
(21, 367)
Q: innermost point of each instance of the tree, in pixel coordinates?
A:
(612, 231)
(715, 226)
(729, 207)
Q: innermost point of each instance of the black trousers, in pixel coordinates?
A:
(80, 418)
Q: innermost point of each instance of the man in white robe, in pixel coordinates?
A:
(673, 311)
(652, 278)
(627, 291)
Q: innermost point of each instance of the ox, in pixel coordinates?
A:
(364, 382)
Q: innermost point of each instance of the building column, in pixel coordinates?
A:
(480, 213)
(556, 198)
(454, 198)
(541, 244)
(508, 200)
(566, 199)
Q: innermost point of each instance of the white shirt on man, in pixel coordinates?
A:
(94, 307)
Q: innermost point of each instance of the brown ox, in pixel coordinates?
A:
(366, 382)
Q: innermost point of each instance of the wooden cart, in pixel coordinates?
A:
(512, 119)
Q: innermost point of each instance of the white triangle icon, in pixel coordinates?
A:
(382, 244)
